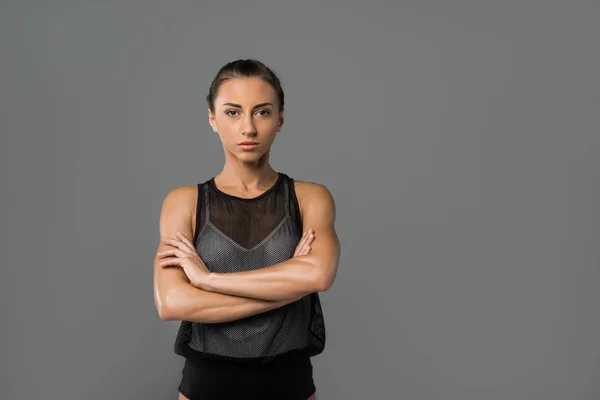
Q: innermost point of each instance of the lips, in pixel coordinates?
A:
(248, 146)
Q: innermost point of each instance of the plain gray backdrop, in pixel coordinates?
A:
(460, 140)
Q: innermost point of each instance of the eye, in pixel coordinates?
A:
(266, 112)
(228, 111)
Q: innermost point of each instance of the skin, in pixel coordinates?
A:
(184, 288)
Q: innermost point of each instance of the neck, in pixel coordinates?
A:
(247, 175)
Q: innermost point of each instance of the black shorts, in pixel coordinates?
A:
(288, 379)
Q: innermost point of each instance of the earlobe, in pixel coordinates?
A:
(211, 122)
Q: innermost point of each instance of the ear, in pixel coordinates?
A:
(281, 120)
(212, 121)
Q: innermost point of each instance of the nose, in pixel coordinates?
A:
(248, 127)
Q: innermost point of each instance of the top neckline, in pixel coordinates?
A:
(260, 196)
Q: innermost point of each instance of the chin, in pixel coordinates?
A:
(249, 156)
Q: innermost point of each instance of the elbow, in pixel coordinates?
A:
(322, 283)
(322, 278)
(165, 314)
(174, 308)
(325, 278)
(167, 310)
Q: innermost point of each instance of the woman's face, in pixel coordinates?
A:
(246, 109)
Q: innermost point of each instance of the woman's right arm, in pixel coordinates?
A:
(174, 296)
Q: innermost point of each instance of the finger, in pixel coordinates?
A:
(187, 241)
(309, 232)
(167, 253)
(169, 262)
(299, 246)
(176, 243)
(304, 239)
(306, 250)
(308, 241)
(302, 251)
(174, 252)
(171, 242)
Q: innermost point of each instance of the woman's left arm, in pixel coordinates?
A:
(298, 276)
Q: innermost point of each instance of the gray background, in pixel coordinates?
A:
(461, 141)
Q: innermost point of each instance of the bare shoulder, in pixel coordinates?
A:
(313, 195)
(308, 189)
(184, 191)
(179, 209)
(182, 196)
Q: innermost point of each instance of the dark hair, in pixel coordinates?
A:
(244, 68)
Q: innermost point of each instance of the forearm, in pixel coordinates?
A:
(291, 279)
(189, 303)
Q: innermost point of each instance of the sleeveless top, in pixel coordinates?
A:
(238, 234)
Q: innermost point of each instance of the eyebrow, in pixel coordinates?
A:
(238, 106)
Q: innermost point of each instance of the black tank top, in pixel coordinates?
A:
(238, 234)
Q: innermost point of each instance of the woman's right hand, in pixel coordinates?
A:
(303, 247)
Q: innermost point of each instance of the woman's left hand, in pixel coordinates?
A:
(185, 256)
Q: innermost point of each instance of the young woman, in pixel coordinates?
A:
(244, 254)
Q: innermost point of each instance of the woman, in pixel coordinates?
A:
(243, 256)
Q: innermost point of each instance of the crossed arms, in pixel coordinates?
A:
(237, 295)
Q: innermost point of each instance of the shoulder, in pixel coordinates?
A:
(178, 211)
(313, 195)
(311, 190)
(182, 193)
(182, 198)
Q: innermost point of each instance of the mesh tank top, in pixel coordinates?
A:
(237, 234)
